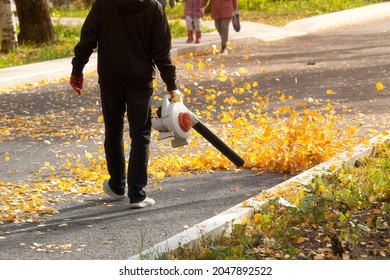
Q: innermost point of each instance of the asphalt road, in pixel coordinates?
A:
(350, 60)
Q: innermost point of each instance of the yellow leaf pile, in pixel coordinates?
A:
(292, 138)
(44, 126)
(21, 203)
(294, 143)
(27, 202)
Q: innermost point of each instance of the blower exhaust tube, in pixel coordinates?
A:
(218, 143)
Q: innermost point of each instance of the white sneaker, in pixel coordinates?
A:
(142, 204)
(107, 189)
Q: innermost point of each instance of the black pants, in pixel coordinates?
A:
(115, 103)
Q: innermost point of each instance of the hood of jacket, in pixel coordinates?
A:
(132, 6)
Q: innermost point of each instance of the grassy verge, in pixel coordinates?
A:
(259, 10)
(68, 37)
(280, 12)
(343, 214)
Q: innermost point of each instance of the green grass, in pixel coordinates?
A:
(342, 214)
(275, 12)
(179, 30)
(280, 12)
(68, 37)
(313, 6)
(71, 11)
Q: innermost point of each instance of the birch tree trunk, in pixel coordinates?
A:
(9, 41)
(35, 22)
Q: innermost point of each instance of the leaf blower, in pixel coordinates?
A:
(174, 120)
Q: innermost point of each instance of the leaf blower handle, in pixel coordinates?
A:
(176, 96)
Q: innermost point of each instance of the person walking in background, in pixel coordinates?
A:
(133, 38)
(222, 12)
(193, 11)
(164, 3)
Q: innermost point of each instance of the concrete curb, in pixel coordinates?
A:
(223, 221)
(41, 71)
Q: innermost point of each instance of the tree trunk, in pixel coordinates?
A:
(34, 21)
(7, 27)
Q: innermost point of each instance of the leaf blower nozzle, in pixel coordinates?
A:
(174, 120)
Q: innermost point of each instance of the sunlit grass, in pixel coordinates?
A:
(68, 37)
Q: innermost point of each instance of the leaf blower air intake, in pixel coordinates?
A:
(175, 120)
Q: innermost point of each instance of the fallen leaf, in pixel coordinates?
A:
(379, 86)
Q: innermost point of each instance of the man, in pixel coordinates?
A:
(132, 37)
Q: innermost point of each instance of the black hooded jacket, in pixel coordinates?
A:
(132, 37)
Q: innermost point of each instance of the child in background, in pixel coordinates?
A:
(193, 12)
(222, 12)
